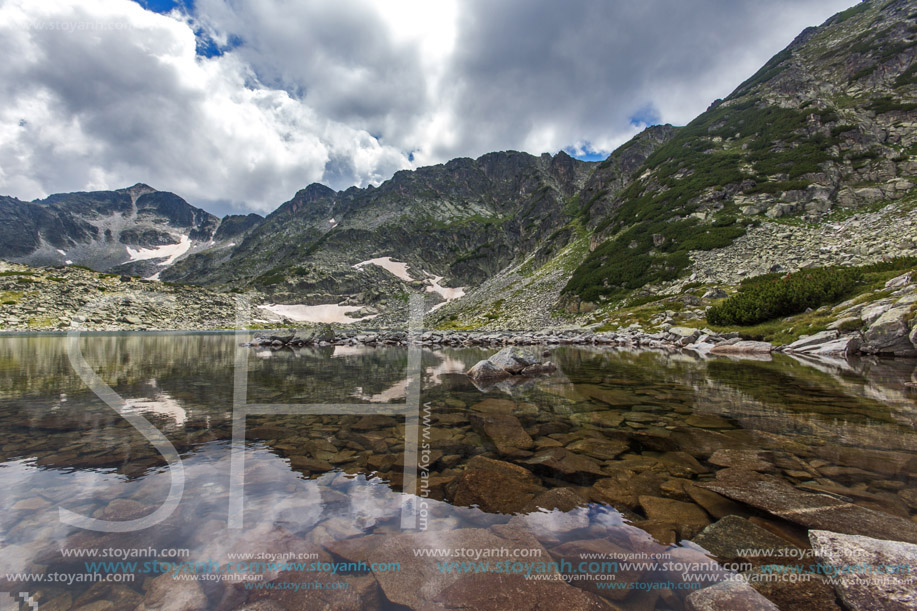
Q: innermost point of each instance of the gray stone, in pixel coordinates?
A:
(732, 595)
(889, 333)
(812, 341)
(539, 369)
(484, 371)
(715, 294)
(513, 359)
(883, 589)
(682, 335)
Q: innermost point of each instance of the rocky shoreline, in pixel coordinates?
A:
(53, 299)
(831, 343)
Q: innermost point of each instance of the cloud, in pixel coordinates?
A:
(104, 94)
(236, 105)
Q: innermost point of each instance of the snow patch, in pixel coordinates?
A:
(334, 224)
(449, 294)
(327, 313)
(396, 268)
(61, 252)
(433, 282)
(169, 252)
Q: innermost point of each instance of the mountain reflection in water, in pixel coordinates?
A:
(521, 489)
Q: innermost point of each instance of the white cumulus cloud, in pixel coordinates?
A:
(100, 94)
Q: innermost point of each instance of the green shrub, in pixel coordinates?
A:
(851, 12)
(886, 103)
(779, 186)
(774, 295)
(908, 77)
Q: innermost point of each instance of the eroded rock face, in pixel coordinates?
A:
(865, 591)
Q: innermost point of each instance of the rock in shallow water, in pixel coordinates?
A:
(732, 595)
(513, 359)
(506, 433)
(688, 518)
(778, 497)
(728, 538)
(508, 362)
(485, 371)
(881, 589)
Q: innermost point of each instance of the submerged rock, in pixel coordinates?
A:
(506, 433)
(491, 491)
(778, 497)
(730, 537)
(688, 518)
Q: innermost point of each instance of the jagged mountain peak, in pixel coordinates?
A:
(313, 192)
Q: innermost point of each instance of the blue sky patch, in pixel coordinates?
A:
(585, 153)
(647, 115)
(164, 6)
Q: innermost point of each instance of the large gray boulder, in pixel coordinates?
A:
(513, 359)
(826, 343)
(508, 362)
(485, 371)
(871, 573)
(889, 334)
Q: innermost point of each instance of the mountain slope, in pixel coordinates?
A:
(461, 222)
(137, 230)
(827, 124)
(811, 161)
